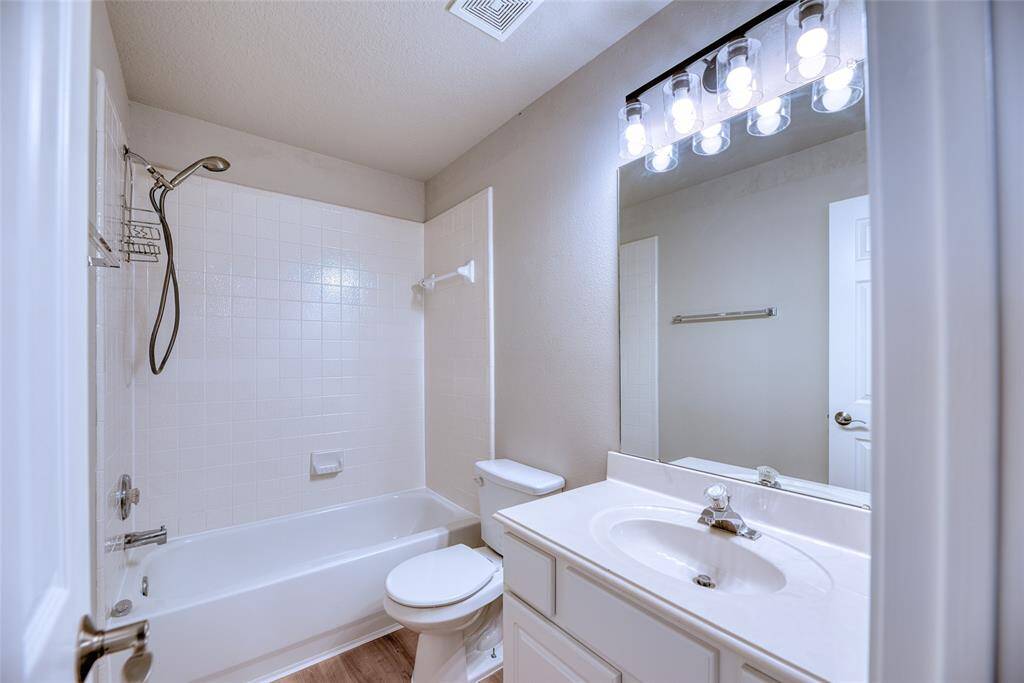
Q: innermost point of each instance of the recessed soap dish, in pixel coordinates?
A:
(325, 463)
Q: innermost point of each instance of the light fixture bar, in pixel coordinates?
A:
(738, 32)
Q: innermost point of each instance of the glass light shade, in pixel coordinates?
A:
(634, 136)
(738, 66)
(712, 140)
(812, 40)
(839, 90)
(769, 117)
(682, 100)
(662, 160)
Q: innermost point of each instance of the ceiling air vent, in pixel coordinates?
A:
(496, 18)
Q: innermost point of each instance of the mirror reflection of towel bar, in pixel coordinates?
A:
(769, 312)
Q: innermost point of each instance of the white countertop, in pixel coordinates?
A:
(821, 627)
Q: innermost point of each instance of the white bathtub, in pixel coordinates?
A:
(260, 600)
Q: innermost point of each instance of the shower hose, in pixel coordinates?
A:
(170, 282)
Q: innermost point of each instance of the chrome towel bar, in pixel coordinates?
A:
(769, 312)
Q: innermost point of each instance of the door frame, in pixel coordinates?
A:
(936, 339)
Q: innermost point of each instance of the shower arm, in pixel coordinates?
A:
(157, 175)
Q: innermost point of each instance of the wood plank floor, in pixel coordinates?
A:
(387, 659)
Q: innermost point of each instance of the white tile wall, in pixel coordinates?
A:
(299, 332)
(638, 325)
(112, 372)
(459, 351)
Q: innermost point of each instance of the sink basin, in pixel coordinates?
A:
(671, 541)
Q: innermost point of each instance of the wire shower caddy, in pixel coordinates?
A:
(140, 228)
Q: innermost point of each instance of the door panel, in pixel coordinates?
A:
(849, 343)
(44, 487)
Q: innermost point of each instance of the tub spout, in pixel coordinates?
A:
(137, 539)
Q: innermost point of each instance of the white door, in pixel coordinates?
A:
(44, 485)
(849, 343)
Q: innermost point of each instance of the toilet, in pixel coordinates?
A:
(452, 596)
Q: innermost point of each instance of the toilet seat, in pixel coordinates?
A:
(440, 577)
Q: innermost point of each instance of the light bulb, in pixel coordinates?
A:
(812, 42)
(740, 76)
(770, 107)
(809, 67)
(634, 148)
(835, 99)
(684, 115)
(635, 133)
(739, 98)
(839, 79)
(660, 162)
(712, 145)
(766, 125)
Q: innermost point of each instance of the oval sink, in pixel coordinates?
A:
(672, 542)
(686, 553)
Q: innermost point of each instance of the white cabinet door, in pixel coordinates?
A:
(536, 651)
(849, 343)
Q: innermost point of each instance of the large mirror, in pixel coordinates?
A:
(745, 294)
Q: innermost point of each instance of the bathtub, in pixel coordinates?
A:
(260, 600)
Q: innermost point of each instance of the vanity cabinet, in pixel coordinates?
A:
(561, 623)
(538, 651)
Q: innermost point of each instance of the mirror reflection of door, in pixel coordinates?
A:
(849, 344)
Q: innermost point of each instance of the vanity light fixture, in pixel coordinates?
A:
(769, 118)
(839, 90)
(633, 135)
(739, 74)
(682, 100)
(662, 160)
(812, 40)
(712, 140)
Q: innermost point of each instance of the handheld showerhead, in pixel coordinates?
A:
(215, 164)
(157, 195)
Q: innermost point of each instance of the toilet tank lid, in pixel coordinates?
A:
(520, 477)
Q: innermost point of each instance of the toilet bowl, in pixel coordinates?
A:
(460, 640)
(452, 596)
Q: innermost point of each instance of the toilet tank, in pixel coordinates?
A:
(504, 483)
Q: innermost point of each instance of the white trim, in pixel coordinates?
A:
(1008, 26)
(327, 654)
(931, 168)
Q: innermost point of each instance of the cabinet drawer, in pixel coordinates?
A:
(530, 574)
(536, 650)
(611, 625)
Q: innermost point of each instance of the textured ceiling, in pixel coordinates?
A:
(403, 86)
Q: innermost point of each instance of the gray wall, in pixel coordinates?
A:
(749, 392)
(553, 169)
(171, 140)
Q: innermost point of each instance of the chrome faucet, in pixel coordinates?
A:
(719, 513)
(137, 539)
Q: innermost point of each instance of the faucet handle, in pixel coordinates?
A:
(717, 497)
(767, 476)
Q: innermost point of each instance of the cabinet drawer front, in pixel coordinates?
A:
(530, 574)
(630, 638)
(536, 650)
